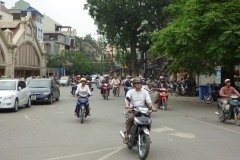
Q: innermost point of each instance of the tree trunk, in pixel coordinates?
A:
(135, 69)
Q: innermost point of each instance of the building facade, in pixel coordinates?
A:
(21, 9)
(21, 55)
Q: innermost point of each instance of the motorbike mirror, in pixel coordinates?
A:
(128, 99)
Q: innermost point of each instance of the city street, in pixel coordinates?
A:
(186, 131)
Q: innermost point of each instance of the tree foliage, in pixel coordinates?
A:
(202, 35)
(122, 21)
(74, 62)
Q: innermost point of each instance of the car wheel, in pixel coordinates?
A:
(15, 108)
(29, 103)
(51, 99)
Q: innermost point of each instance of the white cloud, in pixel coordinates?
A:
(68, 13)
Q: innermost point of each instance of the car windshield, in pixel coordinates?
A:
(7, 85)
(64, 78)
(39, 84)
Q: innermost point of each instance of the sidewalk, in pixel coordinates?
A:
(186, 99)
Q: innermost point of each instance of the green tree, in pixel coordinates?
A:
(202, 34)
(74, 62)
(122, 21)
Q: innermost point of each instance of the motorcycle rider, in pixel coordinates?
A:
(82, 87)
(105, 80)
(116, 81)
(127, 84)
(162, 84)
(227, 90)
(138, 97)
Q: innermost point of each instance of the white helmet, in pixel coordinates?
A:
(227, 80)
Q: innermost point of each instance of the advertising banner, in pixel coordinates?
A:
(218, 75)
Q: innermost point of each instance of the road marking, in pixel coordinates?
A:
(87, 153)
(183, 135)
(27, 117)
(163, 129)
(175, 133)
(112, 153)
(199, 121)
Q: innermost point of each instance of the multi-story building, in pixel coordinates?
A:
(58, 37)
(20, 10)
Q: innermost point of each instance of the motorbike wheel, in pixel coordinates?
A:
(81, 115)
(143, 150)
(221, 115)
(164, 103)
(237, 119)
(106, 95)
(208, 99)
(118, 93)
(114, 92)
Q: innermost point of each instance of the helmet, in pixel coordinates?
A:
(227, 80)
(137, 80)
(83, 79)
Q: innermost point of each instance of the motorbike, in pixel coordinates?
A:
(229, 109)
(74, 88)
(116, 90)
(105, 91)
(127, 89)
(163, 98)
(82, 105)
(212, 96)
(89, 83)
(139, 135)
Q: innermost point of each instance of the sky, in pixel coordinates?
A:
(67, 13)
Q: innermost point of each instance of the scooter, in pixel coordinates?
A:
(139, 135)
(212, 96)
(105, 91)
(82, 105)
(116, 90)
(89, 83)
(162, 98)
(229, 109)
(73, 88)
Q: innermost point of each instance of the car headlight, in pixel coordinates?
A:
(8, 97)
(46, 93)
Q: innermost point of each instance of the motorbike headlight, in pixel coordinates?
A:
(8, 97)
(46, 93)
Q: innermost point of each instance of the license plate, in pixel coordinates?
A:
(33, 97)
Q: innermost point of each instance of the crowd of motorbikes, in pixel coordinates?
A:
(178, 88)
(139, 136)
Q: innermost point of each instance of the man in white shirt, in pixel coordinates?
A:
(138, 98)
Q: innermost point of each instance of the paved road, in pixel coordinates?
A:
(186, 131)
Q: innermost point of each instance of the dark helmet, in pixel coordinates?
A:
(137, 80)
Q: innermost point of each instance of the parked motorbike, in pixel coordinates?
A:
(229, 109)
(73, 89)
(105, 91)
(116, 90)
(212, 96)
(140, 131)
(82, 105)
